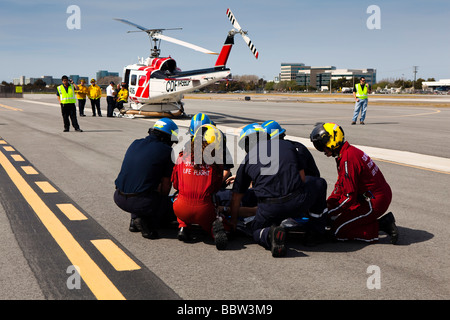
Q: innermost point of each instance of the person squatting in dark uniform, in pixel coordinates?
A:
(315, 227)
(279, 184)
(143, 184)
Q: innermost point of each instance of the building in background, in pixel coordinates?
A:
(319, 77)
(104, 73)
(441, 85)
(49, 80)
(289, 70)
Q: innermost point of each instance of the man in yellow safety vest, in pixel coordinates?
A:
(360, 93)
(67, 100)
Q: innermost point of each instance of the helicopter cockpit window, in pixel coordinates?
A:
(133, 80)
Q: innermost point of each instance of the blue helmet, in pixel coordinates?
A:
(249, 130)
(273, 128)
(166, 125)
(197, 121)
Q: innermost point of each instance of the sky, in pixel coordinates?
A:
(35, 39)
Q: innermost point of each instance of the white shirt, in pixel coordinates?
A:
(109, 91)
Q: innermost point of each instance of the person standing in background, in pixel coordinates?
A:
(110, 99)
(67, 100)
(94, 94)
(360, 93)
(81, 97)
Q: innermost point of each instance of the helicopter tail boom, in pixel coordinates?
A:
(225, 52)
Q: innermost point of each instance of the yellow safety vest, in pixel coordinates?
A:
(67, 96)
(361, 93)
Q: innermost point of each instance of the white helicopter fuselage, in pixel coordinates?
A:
(156, 86)
(159, 86)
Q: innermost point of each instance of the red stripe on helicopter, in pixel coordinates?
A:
(223, 56)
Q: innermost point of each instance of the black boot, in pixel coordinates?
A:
(387, 224)
(277, 237)
(184, 234)
(132, 227)
(220, 236)
(142, 225)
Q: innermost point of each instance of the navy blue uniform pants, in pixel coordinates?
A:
(110, 107)
(152, 207)
(313, 200)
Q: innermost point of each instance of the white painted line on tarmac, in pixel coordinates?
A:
(401, 157)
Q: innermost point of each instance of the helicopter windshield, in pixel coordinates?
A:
(169, 66)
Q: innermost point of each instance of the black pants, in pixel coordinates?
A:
(95, 103)
(154, 208)
(81, 104)
(311, 200)
(119, 105)
(110, 108)
(68, 110)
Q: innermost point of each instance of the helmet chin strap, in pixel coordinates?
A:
(335, 152)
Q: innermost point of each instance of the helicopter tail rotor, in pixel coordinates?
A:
(243, 33)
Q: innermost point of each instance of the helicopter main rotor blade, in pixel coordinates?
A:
(132, 24)
(183, 43)
(243, 33)
(149, 31)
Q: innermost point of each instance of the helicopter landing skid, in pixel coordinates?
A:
(130, 113)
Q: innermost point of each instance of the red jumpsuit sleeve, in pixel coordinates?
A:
(345, 190)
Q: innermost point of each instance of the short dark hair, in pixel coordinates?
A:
(161, 136)
(64, 77)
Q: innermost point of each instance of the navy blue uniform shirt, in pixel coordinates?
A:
(146, 162)
(285, 180)
(307, 159)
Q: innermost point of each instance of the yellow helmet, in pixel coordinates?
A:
(328, 135)
(210, 134)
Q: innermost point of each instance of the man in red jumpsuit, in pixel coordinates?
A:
(196, 184)
(361, 194)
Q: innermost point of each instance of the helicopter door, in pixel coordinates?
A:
(136, 84)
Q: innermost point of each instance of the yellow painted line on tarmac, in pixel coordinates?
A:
(71, 212)
(118, 259)
(9, 149)
(17, 157)
(3, 142)
(10, 108)
(29, 170)
(93, 276)
(46, 187)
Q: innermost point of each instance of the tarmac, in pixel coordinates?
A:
(407, 141)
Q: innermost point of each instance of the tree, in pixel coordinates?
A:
(39, 84)
(418, 84)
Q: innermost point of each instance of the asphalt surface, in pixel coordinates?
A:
(82, 167)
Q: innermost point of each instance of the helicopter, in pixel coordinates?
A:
(156, 85)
